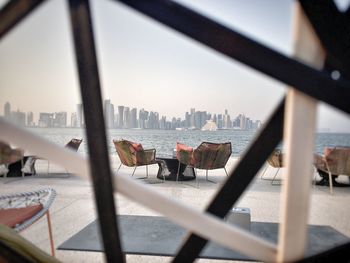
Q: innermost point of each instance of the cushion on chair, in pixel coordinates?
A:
(137, 146)
(13, 216)
(184, 153)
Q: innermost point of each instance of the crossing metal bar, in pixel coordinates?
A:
(14, 12)
(333, 30)
(95, 127)
(315, 83)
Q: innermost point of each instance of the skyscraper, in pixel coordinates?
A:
(74, 120)
(133, 117)
(60, 119)
(127, 119)
(80, 115)
(7, 111)
(30, 119)
(109, 113)
(120, 116)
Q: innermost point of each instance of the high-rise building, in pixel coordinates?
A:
(127, 118)
(45, 119)
(60, 119)
(143, 117)
(18, 117)
(80, 115)
(133, 118)
(30, 119)
(74, 120)
(109, 113)
(120, 116)
(187, 120)
(242, 121)
(192, 117)
(7, 110)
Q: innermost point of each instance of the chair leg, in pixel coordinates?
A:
(330, 178)
(206, 175)
(146, 171)
(195, 174)
(118, 168)
(266, 166)
(178, 171)
(330, 182)
(275, 177)
(50, 233)
(134, 171)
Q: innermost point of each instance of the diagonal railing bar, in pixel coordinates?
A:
(317, 84)
(189, 217)
(239, 179)
(14, 12)
(95, 127)
(332, 28)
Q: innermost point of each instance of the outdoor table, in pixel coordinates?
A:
(171, 164)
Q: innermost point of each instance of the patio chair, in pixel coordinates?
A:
(334, 162)
(207, 156)
(29, 165)
(132, 154)
(21, 210)
(276, 161)
(8, 156)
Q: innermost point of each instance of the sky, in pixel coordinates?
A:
(143, 64)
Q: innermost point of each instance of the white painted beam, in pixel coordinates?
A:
(299, 130)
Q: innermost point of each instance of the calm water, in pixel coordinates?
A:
(164, 141)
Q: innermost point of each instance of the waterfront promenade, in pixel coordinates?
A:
(73, 207)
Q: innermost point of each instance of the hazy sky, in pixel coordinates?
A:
(144, 64)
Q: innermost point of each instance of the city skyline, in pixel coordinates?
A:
(129, 118)
(167, 70)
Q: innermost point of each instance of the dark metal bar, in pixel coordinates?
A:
(239, 180)
(95, 127)
(339, 254)
(312, 82)
(14, 12)
(333, 29)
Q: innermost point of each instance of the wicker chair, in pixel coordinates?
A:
(21, 210)
(207, 156)
(132, 154)
(276, 161)
(334, 162)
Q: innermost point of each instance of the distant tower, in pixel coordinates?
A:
(7, 110)
(109, 114)
(74, 120)
(80, 115)
(127, 118)
(30, 119)
(133, 115)
(120, 116)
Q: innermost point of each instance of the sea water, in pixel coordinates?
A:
(164, 141)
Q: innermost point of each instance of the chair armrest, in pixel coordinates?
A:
(146, 157)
